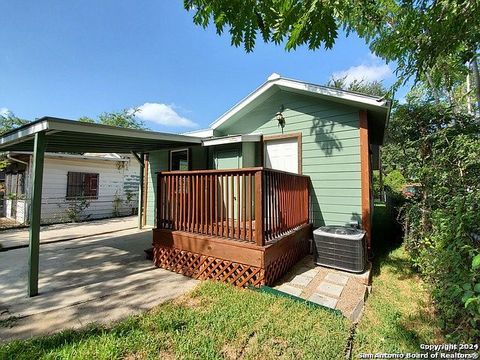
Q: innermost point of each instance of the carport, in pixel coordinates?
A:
(62, 135)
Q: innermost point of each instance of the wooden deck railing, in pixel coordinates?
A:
(254, 205)
(285, 202)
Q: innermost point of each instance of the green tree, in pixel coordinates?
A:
(9, 122)
(418, 35)
(374, 88)
(86, 119)
(125, 119)
(437, 146)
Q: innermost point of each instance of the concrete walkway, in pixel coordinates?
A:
(14, 238)
(327, 287)
(95, 279)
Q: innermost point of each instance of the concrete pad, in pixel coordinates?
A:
(61, 232)
(323, 300)
(337, 278)
(350, 298)
(330, 289)
(291, 290)
(95, 279)
(301, 280)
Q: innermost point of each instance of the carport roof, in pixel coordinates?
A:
(64, 135)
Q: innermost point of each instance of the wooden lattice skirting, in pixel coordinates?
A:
(207, 267)
(229, 261)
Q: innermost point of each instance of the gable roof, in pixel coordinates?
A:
(378, 107)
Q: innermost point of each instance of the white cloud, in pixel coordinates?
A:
(163, 114)
(4, 111)
(371, 72)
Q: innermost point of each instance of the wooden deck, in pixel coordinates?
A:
(208, 227)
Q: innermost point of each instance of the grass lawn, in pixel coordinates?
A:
(219, 321)
(399, 315)
(214, 321)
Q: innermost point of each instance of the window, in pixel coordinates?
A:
(15, 183)
(179, 160)
(82, 185)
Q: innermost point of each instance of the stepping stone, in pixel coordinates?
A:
(309, 272)
(291, 290)
(337, 278)
(330, 289)
(301, 280)
(323, 300)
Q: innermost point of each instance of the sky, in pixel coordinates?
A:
(81, 58)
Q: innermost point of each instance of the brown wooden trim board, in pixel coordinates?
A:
(365, 176)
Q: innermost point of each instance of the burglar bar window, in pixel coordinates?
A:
(82, 185)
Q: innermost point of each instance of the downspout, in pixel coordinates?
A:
(9, 157)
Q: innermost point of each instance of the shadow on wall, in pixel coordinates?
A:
(315, 211)
(324, 134)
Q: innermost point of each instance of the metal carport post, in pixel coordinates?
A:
(35, 212)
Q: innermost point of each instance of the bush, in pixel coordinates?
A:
(394, 181)
(440, 150)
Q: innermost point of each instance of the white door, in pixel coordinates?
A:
(282, 154)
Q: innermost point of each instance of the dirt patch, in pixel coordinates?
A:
(355, 291)
(9, 322)
(232, 352)
(189, 301)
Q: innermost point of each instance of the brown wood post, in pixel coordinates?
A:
(366, 179)
(159, 202)
(259, 218)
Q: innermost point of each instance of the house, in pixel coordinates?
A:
(2, 192)
(240, 206)
(75, 187)
(235, 202)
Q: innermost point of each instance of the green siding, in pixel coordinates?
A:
(248, 154)
(227, 159)
(330, 150)
(158, 161)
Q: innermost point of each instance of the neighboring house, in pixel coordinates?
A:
(320, 143)
(75, 187)
(2, 192)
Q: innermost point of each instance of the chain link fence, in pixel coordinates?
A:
(14, 212)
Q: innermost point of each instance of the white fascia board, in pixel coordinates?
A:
(289, 84)
(333, 92)
(203, 133)
(242, 104)
(83, 157)
(232, 140)
(69, 156)
(21, 135)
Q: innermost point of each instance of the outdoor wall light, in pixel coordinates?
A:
(280, 118)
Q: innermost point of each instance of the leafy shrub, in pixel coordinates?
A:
(76, 207)
(440, 149)
(395, 181)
